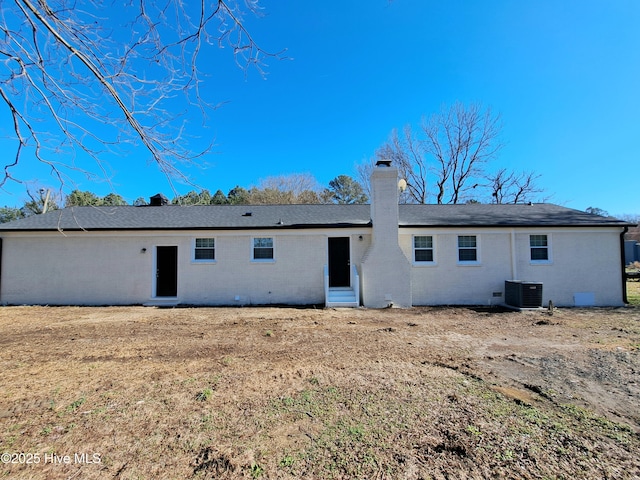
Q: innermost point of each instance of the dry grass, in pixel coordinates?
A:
(287, 393)
(633, 293)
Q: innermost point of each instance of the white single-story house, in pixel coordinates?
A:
(338, 255)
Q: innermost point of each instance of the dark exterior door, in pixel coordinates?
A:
(339, 263)
(166, 271)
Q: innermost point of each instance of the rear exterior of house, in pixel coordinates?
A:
(575, 268)
(338, 255)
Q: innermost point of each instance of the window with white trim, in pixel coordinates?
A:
(423, 249)
(205, 249)
(263, 248)
(467, 249)
(539, 246)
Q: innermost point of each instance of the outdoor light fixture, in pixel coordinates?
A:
(144, 250)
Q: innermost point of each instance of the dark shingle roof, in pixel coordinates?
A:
(507, 215)
(174, 217)
(235, 217)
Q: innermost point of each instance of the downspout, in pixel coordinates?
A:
(623, 263)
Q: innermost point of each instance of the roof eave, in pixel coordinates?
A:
(515, 225)
(188, 228)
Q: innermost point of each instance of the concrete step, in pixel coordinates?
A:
(162, 302)
(342, 297)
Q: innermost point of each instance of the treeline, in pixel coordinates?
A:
(44, 201)
(289, 189)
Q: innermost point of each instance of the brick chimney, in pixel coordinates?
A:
(158, 200)
(386, 271)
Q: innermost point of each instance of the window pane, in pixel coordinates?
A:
(539, 254)
(205, 242)
(424, 255)
(263, 242)
(205, 249)
(263, 248)
(423, 242)
(467, 255)
(260, 253)
(468, 241)
(205, 254)
(538, 240)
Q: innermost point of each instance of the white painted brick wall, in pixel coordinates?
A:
(583, 260)
(93, 268)
(386, 272)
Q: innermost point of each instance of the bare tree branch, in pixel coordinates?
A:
(454, 150)
(407, 154)
(74, 82)
(462, 140)
(509, 187)
(363, 175)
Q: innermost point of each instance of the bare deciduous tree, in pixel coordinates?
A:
(407, 153)
(84, 76)
(461, 139)
(363, 172)
(510, 187)
(448, 161)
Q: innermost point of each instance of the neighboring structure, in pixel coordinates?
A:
(631, 251)
(339, 255)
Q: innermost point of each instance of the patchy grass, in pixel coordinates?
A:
(437, 422)
(633, 293)
(135, 393)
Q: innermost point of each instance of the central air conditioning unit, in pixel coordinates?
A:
(523, 294)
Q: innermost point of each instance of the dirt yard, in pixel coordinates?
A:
(146, 393)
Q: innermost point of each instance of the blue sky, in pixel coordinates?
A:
(564, 76)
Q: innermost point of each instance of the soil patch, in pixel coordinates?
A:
(134, 392)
